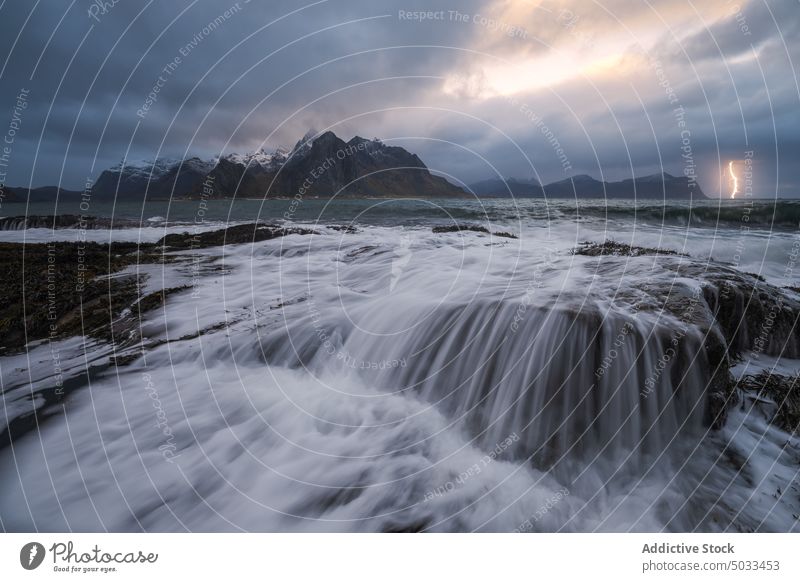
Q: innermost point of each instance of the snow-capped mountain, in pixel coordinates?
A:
(261, 159)
(356, 168)
(160, 167)
(303, 145)
(160, 178)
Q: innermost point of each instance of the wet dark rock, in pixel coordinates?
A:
(469, 228)
(60, 289)
(754, 316)
(459, 228)
(239, 234)
(741, 313)
(735, 312)
(346, 228)
(782, 395)
(617, 249)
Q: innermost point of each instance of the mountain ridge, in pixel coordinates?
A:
(318, 166)
(322, 165)
(653, 186)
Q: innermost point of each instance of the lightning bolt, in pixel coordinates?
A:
(735, 180)
(34, 551)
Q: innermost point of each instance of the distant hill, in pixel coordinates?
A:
(583, 186)
(43, 194)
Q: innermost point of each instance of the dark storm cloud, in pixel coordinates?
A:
(748, 27)
(227, 80)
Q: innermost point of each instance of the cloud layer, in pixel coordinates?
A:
(534, 88)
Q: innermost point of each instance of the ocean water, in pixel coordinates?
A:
(710, 213)
(389, 378)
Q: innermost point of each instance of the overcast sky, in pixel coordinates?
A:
(524, 89)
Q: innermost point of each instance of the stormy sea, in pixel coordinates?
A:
(403, 365)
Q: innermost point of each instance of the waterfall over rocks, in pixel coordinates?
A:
(403, 379)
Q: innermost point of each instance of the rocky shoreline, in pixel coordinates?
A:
(62, 289)
(66, 289)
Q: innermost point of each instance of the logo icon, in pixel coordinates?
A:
(31, 555)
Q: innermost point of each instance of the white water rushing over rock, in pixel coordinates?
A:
(394, 379)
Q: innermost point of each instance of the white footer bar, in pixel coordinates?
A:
(400, 557)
